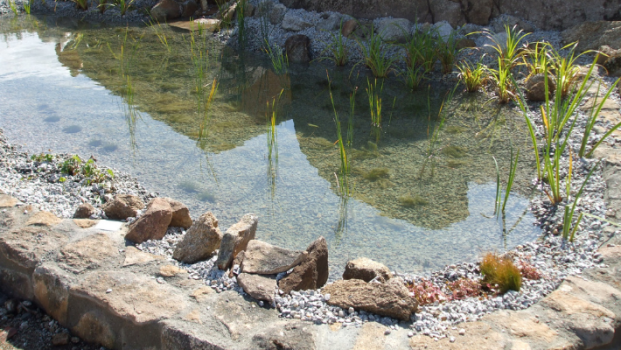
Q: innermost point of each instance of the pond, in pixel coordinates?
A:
(422, 186)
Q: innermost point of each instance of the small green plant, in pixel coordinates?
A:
(412, 201)
(43, 157)
(509, 52)
(350, 120)
(568, 215)
(566, 68)
(414, 76)
(27, 6)
(447, 51)
(241, 23)
(375, 55)
(71, 165)
(503, 82)
(123, 5)
(280, 60)
(376, 174)
(159, 32)
(343, 181)
(538, 59)
(374, 93)
(472, 76)
(336, 48)
(13, 7)
(421, 49)
(500, 273)
(500, 204)
(81, 4)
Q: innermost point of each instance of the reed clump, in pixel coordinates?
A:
(500, 273)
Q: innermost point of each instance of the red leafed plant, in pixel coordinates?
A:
(528, 271)
(464, 288)
(425, 292)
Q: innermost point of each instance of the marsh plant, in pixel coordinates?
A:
(374, 94)
(336, 48)
(447, 51)
(343, 180)
(241, 24)
(433, 135)
(13, 7)
(596, 108)
(271, 117)
(568, 215)
(421, 49)
(280, 60)
(502, 81)
(473, 76)
(509, 51)
(375, 55)
(500, 203)
(414, 76)
(500, 273)
(27, 6)
(159, 32)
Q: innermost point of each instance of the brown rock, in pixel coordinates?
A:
(366, 270)
(189, 7)
(92, 326)
(165, 10)
(171, 270)
(349, 27)
(387, 299)
(123, 206)
(200, 241)
(593, 35)
(465, 43)
(7, 201)
(27, 246)
(236, 239)
(258, 286)
(181, 214)
(87, 253)
(447, 10)
(201, 293)
(51, 291)
(43, 218)
(134, 256)
(60, 339)
(479, 336)
(84, 211)
(297, 48)
(613, 64)
(312, 273)
(605, 51)
(478, 11)
(265, 259)
(153, 224)
(536, 90)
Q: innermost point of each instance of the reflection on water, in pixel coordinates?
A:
(222, 132)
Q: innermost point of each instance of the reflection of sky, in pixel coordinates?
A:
(304, 205)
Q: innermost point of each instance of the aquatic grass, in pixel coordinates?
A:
(435, 134)
(421, 49)
(336, 48)
(566, 68)
(538, 60)
(500, 273)
(271, 117)
(280, 60)
(375, 56)
(350, 119)
(27, 6)
(376, 174)
(568, 215)
(374, 94)
(241, 24)
(598, 104)
(500, 203)
(508, 50)
(13, 7)
(122, 5)
(414, 76)
(503, 82)
(343, 181)
(472, 76)
(447, 51)
(159, 32)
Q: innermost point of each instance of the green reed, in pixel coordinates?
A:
(434, 137)
(538, 60)
(375, 55)
(500, 203)
(343, 180)
(447, 52)
(566, 68)
(13, 7)
(421, 49)
(414, 76)
(374, 94)
(241, 24)
(280, 60)
(159, 32)
(350, 120)
(503, 83)
(568, 215)
(205, 88)
(27, 6)
(598, 104)
(336, 48)
(508, 50)
(472, 76)
(271, 117)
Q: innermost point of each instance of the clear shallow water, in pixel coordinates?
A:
(61, 90)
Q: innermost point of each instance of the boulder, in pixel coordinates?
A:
(613, 64)
(349, 27)
(535, 87)
(366, 269)
(329, 22)
(294, 22)
(312, 273)
(236, 239)
(189, 8)
(479, 11)
(297, 48)
(593, 35)
(153, 224)
(123, 206)
(200, 241)
(447, 11)
(227, 11)
(181, 214)
(505, 20)
(265, 259)
(84, 211)
(444, 29)
(276, 13)
(394, 29)
(165, 10)
(390, 299)
(605, 52)
(257, 286)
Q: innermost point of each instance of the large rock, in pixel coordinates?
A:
(265, 259)
(536, 89)
(366, 269)
(331, 21)
(294, 22)
(394, 29)
(236, 239)
(258, 286)
(447, 10)
(478, 11)
(444, 29)
(613, 63)
(312, 273)
(201, 240)
(165, 9)
(123, 206)
(593, 35)
(153, 224)
(276, 13)
(181, 214)
(349, 27)
(87, 253)
(84, 211)
(297, 48)
(387, 299)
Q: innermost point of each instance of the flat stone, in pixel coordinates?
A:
(236, 239)
(521, 324)
(258, 286)
(181, 214)
(153, 224)
(312, 272)
(479, 335)
(87, 253)
(85, 223)
(26, 247)
(387, 299)
(200, 241)
(123, 206)
(43, 218)
(206, 24)
(371, 337)
(7, 201)
(133, 256)
(266, 259)
(171, 271)
(201, 293)
(51, 290)
(293, 22)
(366, 269)
(92, 326)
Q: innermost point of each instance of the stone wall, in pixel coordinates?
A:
(550, 14)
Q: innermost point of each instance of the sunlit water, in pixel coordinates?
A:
(60, 90)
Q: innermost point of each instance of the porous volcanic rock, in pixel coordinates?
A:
(236, 239)
(312, 272)
(201, 240)
(123, 206)
(387, 299)
(366, 269)
(153, 224)
(266, 259)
